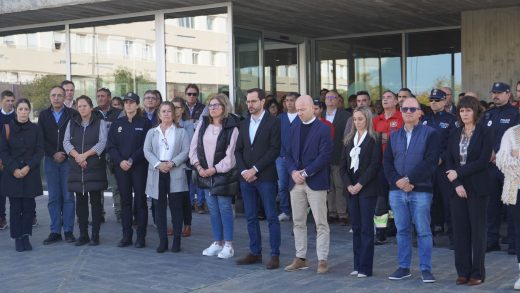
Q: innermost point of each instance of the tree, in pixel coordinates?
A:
(37, 91)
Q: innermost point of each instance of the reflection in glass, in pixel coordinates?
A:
(120, 57)
(197, 52)
(30, 64)
(368, 63)
(433, 61)
(247, 66)
(281, 68)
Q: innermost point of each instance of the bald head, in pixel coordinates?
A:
(305, 108)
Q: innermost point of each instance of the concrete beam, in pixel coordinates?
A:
(10, 6)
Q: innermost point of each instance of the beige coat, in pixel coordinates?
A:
(510, 165)
(178, 181)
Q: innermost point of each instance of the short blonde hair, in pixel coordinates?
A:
(224, 101)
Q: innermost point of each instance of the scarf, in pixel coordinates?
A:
(356, 150)
(510, 165)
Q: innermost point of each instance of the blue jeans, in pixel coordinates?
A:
(266, 190)
(61, 202)
(283, 185)
(221, 214)
(408, 208)
(194, 189)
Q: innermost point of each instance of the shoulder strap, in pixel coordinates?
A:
(7, 131)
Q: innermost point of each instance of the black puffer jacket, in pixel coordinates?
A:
(220, 183)
(94, 177)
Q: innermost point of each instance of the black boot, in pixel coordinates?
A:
(26, 244)
(163, 245)
(82, 240)
(125, 241)
(176, 245)
(18, 243)
(380, 236)
(94, 241)
(140, 242)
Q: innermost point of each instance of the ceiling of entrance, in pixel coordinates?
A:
(305, 18)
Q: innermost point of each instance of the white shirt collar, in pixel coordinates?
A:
(5, 113)
(309, 122)
(259, 118)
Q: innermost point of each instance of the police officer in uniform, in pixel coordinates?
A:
(499, 119)
(444, 122)
(125, 146)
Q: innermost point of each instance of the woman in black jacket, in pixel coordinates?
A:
(21, 150)
(84, 141)
(360, 163)
(468, 159)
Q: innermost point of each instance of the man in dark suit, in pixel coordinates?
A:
(258, 146)
(336, 199)
(308, 159)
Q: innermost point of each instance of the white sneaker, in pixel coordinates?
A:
(283, 217)
(212, 250)
(360, 275)
(354, 273)
(226, 252)
(517, 284)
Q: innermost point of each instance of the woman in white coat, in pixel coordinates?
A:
(166, 148)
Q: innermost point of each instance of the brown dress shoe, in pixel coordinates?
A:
(322, 267)
(250, 259)
(461, 281)
(474, 282)
(273, 263)
(186, 232)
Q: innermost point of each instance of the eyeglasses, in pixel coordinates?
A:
(409, 109)
(150, 97)
(214, 106)
(165, 143)
(435, 100)
(331, 97)
(192, 94)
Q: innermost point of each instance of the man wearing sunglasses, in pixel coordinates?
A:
(443, 122)
(499, 118)
(410, 160)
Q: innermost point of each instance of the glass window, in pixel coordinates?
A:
(119, 56)
(367, 63)
(200, 53)
(281, 62)
(433, 61)
(31, 63)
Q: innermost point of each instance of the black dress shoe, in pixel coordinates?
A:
(163, 246)
(94, 241)
(69, 237)
(125, 241)
(18, 244)
(176, 245)
(82, 240)
(53, 238)
(26, 244)
(493, 247)
(511, 250)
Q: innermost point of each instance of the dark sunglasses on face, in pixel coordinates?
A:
(192, 94)
(435, 100)
(409, 109)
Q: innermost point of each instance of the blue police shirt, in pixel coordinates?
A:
(444, 123)
(500, 119)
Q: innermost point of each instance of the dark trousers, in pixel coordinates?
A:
(514, 211)
(496, 209)
(82, 211)
(21, 216)
(168, 199)
(361, 213)
(266, 191)
(3, 199)
(128, 181)
(469, 235)
(443, 191)
(186, 202)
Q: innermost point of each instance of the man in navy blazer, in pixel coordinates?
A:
(308, 159)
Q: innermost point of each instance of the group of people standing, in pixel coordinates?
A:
(316, 154)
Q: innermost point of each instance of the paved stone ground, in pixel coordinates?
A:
(63, 267)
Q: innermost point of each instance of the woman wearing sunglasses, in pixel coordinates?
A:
(166, 149)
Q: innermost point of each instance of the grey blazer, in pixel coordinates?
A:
(178, 181)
